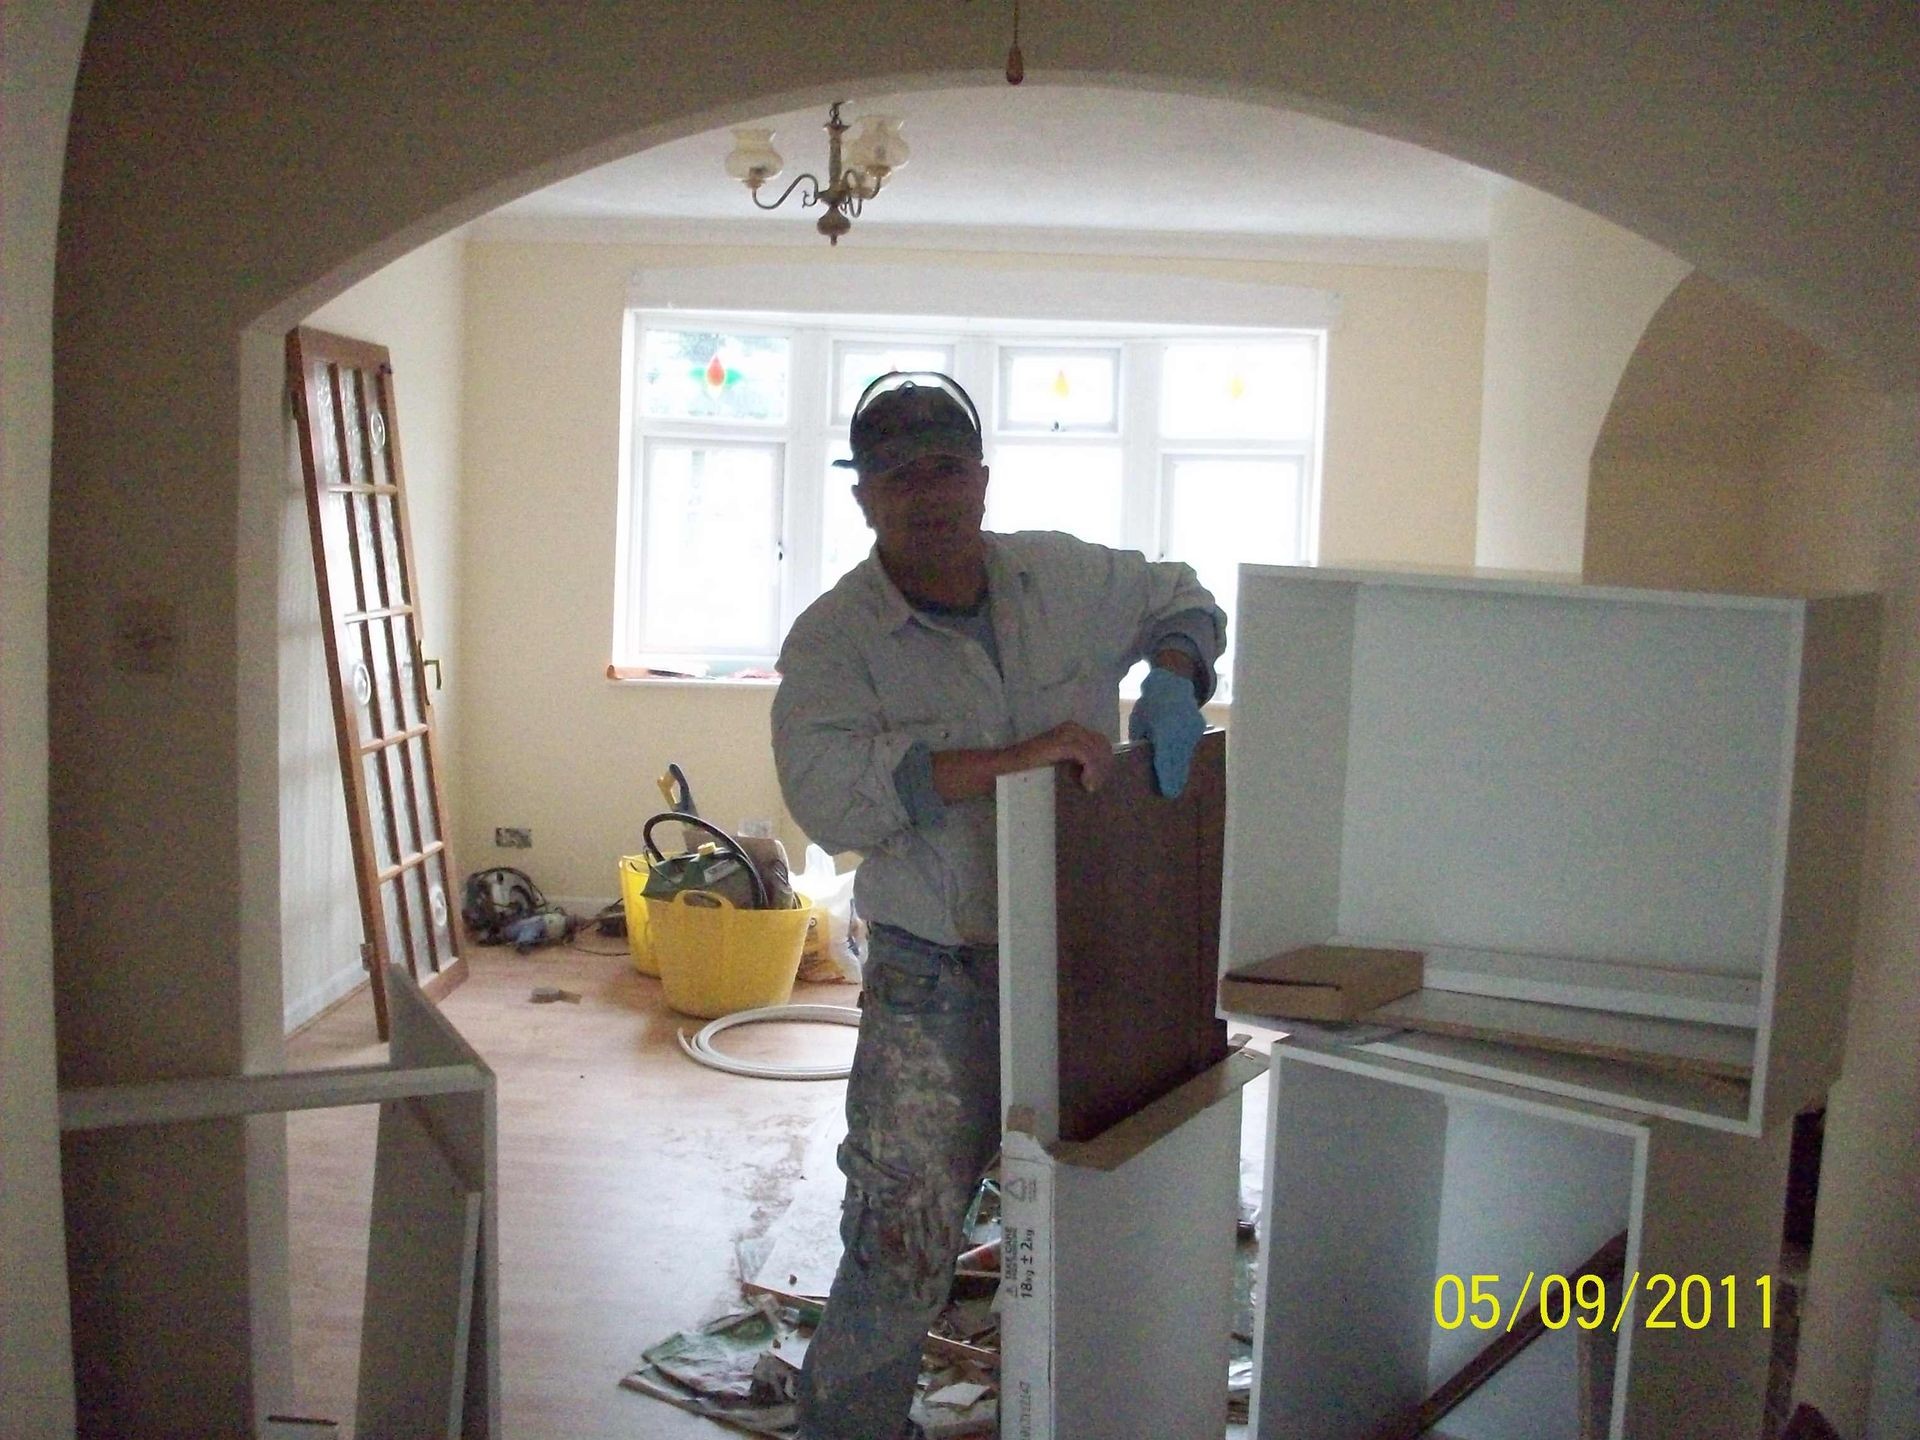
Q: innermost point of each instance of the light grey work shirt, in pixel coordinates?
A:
(864, 676)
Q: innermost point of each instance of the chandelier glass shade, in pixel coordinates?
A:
(860, 157)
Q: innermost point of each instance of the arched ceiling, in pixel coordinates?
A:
(1711, 377)
(1112, 168)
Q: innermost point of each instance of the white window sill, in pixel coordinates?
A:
(1216, 709)
(641, 675)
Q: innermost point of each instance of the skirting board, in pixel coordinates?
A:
(316, 1000)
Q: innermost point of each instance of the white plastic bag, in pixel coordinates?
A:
(836, 947)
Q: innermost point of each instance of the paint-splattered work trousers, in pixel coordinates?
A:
(923, 1123)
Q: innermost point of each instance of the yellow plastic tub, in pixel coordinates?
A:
(715, 959)
(633, 881)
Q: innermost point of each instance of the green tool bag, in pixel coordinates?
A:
(722, 866)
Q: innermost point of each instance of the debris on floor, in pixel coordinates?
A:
(734, 1369)
(547, 994)
(741, 1369)
(1239, 1390)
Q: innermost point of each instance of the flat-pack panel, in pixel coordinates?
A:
(1137, 906)
(1119, 1185)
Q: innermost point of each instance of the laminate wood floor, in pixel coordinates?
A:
(628, 1174)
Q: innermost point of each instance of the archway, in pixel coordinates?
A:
(176, 251)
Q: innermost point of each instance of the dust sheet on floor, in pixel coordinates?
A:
(739, 1367)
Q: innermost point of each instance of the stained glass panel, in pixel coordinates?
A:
(1059, 389)
(713, 375)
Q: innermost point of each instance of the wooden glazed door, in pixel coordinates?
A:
(343, 407)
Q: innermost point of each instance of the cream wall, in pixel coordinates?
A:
(231, 167)
(414, 307)
(1839, 506)
(1568, 296)
(1821, 498)
(39, 52)
(1672, 521)
(1676, 492)
(551, 744)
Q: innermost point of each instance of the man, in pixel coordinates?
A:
(949, 657)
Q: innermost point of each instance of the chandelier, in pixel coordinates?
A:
(872, 152)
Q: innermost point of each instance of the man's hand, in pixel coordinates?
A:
(970, 774)
(1167, 716)
(1088, 751)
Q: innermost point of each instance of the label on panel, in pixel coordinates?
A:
(1026, 1289)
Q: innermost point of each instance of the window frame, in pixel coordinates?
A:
(981, 351)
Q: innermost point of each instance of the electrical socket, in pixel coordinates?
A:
(756, 829)
(513, 837)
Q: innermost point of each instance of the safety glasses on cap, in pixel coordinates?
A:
(896, 379)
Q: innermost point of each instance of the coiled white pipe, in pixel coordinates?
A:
(701, 1047)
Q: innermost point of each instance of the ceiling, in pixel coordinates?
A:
(1029, 167)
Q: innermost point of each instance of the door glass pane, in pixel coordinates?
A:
(859, 363)
(378, 435)
(383, 714)
(692, 374)
(845, 539)
(420, 920)
(424, 807)
(400, 788)
(393, 901)
(1059, 389)
(439, 898)
(350, 402)
(1256, 389)
(710, 537)
(356, 674)
(1222, 513)
(367, 563)
(387, 508)
(1075, 488)
(326, 443)
(407, 683)
(379, 815)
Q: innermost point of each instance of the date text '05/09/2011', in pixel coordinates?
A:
(1674, 1302)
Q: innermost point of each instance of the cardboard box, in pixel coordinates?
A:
(1322, 982)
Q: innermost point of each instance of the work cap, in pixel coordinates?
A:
(907, 414)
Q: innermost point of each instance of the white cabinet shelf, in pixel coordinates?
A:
(1644, 803)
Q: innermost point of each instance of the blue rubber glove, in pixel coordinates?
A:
(1167, 716)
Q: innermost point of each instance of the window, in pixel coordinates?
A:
(1199, 444)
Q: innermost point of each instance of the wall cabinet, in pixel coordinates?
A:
(1641, 805)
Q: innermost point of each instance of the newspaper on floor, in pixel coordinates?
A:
(740, 1370)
